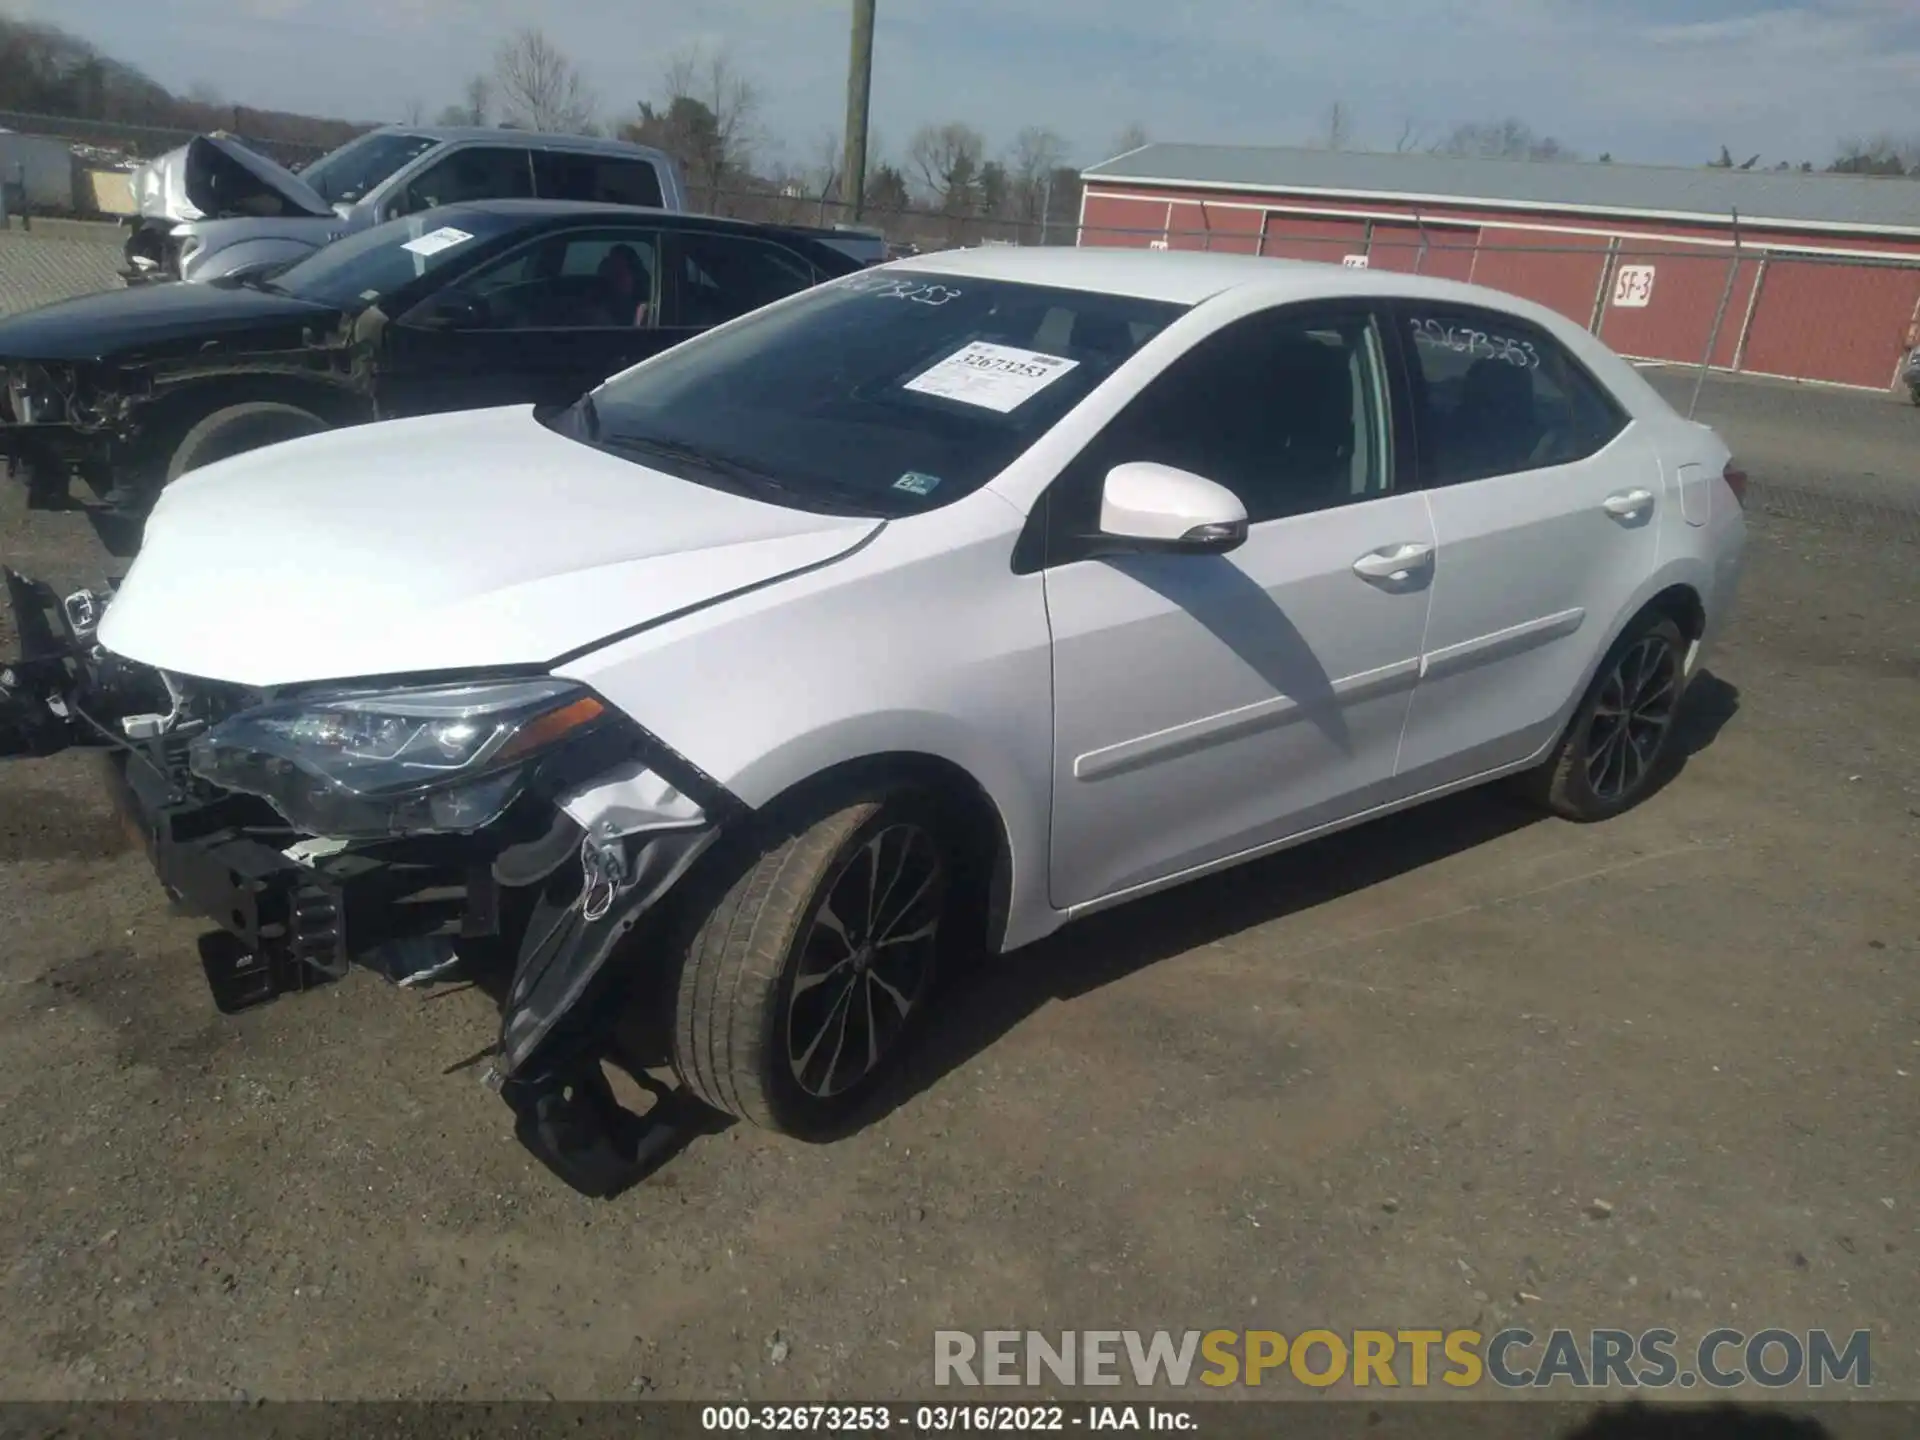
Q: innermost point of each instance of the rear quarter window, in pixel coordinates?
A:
(1495, 395)
(600, 179)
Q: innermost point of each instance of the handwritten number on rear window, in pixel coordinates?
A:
(1465, 340)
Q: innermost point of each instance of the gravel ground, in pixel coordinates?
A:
(57, 259)
(1381, 1080)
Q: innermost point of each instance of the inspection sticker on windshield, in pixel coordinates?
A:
(434, 241)
(915, 482)
(994, 377)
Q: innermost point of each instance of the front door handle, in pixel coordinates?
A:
(1627, 504)
(1393, 563)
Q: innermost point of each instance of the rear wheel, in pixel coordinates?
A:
(1621, 737)
(236, 429)
(800, 989)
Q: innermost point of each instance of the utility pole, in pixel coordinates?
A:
(859, 93)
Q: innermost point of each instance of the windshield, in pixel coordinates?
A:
(355, 168)
(369, 266)
(887, 393)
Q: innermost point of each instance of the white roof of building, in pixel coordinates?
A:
(1785, 198)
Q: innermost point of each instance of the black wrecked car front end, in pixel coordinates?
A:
(61, 419)
(493, 868)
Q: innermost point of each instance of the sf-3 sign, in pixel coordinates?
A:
(1632, 287)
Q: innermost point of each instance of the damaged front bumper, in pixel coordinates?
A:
(58, 420)
(555, 887)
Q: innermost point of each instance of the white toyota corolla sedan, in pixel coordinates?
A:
(922, 612)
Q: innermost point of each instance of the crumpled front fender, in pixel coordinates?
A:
(640, 832)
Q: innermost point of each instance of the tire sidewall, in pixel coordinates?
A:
(237, 429)
(1579, 788)
(809, 1116)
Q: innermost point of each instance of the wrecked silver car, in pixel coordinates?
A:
(215, 208)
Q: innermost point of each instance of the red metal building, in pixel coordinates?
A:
(1807, 276)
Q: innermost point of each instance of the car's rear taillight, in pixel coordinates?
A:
(1736, 479)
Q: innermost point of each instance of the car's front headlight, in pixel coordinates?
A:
(445, 759)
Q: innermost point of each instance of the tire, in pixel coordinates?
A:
(236, 429)
(789, 947)
(1603, 767)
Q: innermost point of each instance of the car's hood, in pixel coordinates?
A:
(456, 542)
(214, 175)
(123, 322)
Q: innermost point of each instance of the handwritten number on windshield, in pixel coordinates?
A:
(889, 288)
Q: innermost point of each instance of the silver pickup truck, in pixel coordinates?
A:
(216, 209)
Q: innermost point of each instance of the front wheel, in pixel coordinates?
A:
(1621, 737)
(236, 429)
(803, 985)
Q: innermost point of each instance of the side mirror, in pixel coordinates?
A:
(1151, 507)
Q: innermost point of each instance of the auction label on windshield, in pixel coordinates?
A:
(434, 241)
(994, 377)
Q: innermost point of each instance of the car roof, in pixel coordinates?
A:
(1188, 277)
(532, 216)
(534, 139)
(533, 210)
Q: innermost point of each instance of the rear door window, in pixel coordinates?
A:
(601, 179)
(479, 172)
(718, 277)
(1494, 395)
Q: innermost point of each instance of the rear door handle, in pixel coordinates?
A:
(1393, 563)
(1627, 504)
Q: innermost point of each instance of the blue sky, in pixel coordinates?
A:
(1651, 80)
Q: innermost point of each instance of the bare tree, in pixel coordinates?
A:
(1880, 155)
(947, 159)
(475, 106)
(1336, 131)
(414, 113)
(1131, 137)
(1508, 139)
(1035, 154)
(1409, 138)
(709, 121)
(823, 168)
(540, 88)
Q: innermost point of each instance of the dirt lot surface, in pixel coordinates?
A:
(1382, 1081)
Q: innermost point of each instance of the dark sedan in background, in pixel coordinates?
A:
(491, 303)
